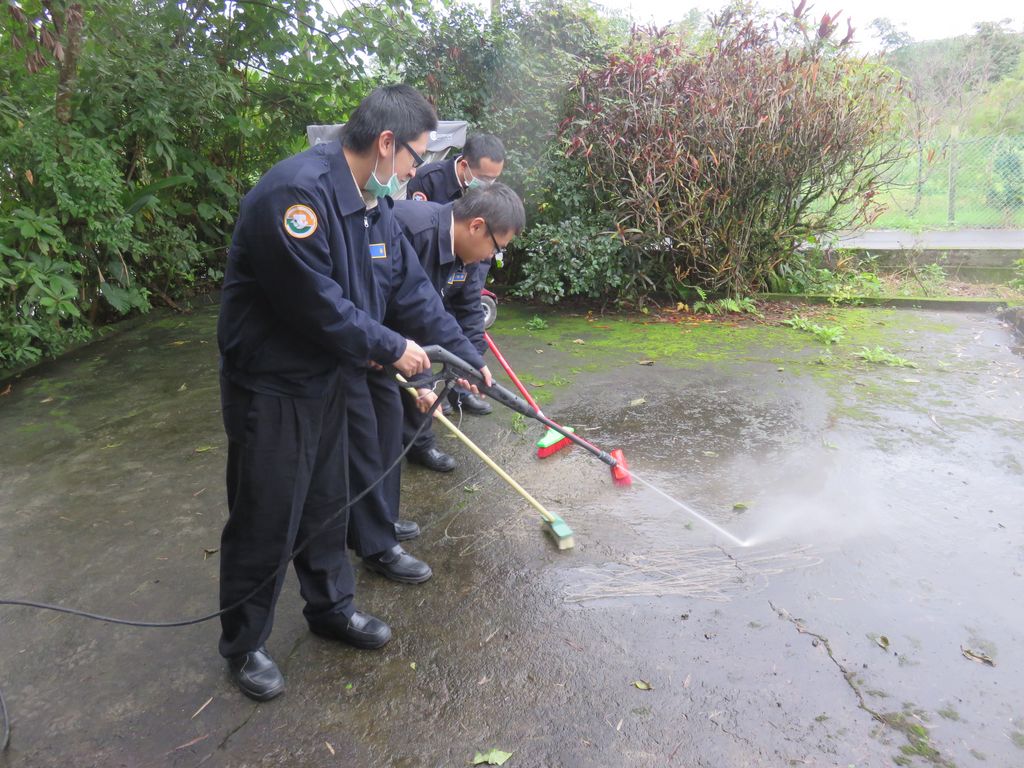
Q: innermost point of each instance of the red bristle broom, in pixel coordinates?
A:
(557, 437)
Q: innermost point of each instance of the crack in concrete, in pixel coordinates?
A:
(736, 736)
(847, 673)
(299, 641)
(223, 744)
(916, 743)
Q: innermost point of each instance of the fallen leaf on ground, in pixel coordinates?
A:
(643, 685)
(645, 362)
(981, 658)
(739, 506)
(329, 748)
(712, 454)
(687, 681)
(883, 642)
(494, 757)
(412, 665)
(210, 552)
(578, 341)
(7, 390)
(46, 400)
(638, 401)
(183, 387)
(203, 448)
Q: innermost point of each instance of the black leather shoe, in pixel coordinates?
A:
(256, 674)
(471, 404)
(399, 565)
(432, 458)
(362, 630)
(406, 529)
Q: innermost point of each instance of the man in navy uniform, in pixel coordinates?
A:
(454, 242)
(296, 323)
(481, 163)
(413, 307)
(445, 181)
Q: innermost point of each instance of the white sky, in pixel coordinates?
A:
(921, 19)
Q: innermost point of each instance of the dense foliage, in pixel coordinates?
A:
(649, 161)
(719, 156)
(128, 130)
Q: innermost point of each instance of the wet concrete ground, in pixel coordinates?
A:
(885, 506)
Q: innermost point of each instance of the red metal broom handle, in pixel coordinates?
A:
(510, 372)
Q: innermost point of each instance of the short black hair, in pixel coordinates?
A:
(400, 109)
(497, 204)
(481, 145)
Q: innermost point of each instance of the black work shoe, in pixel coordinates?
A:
(471, 404)
(406, 529)
(398, 565)
(256, 674)
(432, 458)
(362, 630)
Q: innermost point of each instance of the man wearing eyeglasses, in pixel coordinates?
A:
(454, 243)
(445, 181)
(301, 317)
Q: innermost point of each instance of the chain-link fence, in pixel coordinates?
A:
(958, 182)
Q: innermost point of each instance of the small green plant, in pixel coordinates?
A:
(930, 277)
(741, 305)
(1018, 275)
(826, 334)
(536, 323)
(518, 423)
(881, 356)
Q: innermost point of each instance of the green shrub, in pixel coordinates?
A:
(572, 257)
(718, 157)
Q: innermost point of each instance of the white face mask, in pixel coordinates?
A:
(375, 186)
(474, 182)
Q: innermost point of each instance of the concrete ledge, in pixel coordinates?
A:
(897, 302)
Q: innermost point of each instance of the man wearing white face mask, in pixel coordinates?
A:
(445, 181)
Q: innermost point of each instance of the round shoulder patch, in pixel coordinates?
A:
(419, 196)
(300, 221)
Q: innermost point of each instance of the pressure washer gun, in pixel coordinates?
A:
(453, 368)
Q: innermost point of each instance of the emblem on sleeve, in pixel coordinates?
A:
(419, 196)
(300, 221)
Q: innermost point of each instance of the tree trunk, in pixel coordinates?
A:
(72, 24)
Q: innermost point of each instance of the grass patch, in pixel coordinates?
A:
(881, 356)
(826, 334)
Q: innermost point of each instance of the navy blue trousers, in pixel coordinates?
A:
(375, 420)
(285, 478)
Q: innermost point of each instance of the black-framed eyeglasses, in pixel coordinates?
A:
(499, 253)
(417, 161)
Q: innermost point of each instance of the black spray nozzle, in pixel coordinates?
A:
(453, 367)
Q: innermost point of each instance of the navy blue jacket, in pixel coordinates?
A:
(436, 182)
(413, 305)
(299, 297)
(428, 228)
